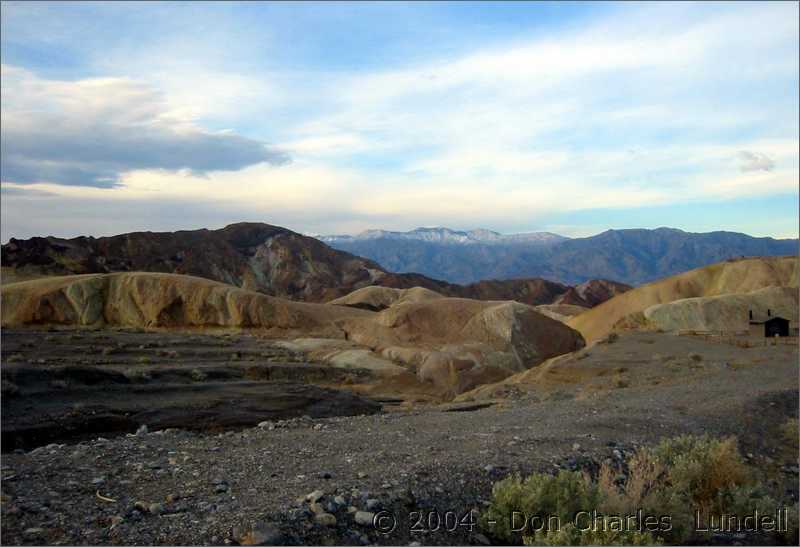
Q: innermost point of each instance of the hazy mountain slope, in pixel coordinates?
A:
(729, 277)
(628, 256)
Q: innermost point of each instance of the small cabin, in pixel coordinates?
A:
(769, 326)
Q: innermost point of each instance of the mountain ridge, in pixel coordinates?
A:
(258, 257)
(630, 256)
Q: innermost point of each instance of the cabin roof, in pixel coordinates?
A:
(768, 319)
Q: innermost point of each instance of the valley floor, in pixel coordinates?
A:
(178, 487)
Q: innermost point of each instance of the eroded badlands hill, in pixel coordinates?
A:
(454, 344)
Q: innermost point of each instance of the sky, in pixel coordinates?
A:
(333, 118)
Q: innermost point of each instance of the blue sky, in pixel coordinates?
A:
(339, 117)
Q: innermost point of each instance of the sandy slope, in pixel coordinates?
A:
(734, 276)
(726, 312)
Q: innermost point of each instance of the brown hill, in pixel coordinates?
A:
(254, 256)
(729, 277)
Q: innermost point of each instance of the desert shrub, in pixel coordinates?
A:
(744, 500)
(539, 495)
(790, 431)
(700, 468)
(676, 478)
(8, 389)
(602, 533)
(198, 375)
(138, 375)
(610, 339)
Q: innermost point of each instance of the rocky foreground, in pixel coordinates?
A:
(332, 480)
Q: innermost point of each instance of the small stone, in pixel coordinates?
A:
(156, 508)
(115, 520)
(576, 446)
(339, 500)
(352, 509)
(364, 518)
(325, 519)
(172, 498)
(480, 538)
(315, 496)
(372, 504)
(98, 481)
(141, 506)
(362, 475)
(142, 431)
(33, 532)
(489, 468)
(316, 508)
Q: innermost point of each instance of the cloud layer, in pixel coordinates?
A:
(90, 132)
(625, 107)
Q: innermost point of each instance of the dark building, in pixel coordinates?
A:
(772, 325)
(776, 326)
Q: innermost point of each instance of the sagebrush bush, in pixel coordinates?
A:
(701, 468)
(677, 477)
(790, 431)
(541, 495)
(603, 534)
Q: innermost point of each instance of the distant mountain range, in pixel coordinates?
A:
(628, 256)
(268, 259)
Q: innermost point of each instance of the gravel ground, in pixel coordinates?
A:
(419, 466)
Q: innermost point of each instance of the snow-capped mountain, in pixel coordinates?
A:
(448, 236)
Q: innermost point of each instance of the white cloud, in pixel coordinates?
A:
(89, 132)
(755, 161)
